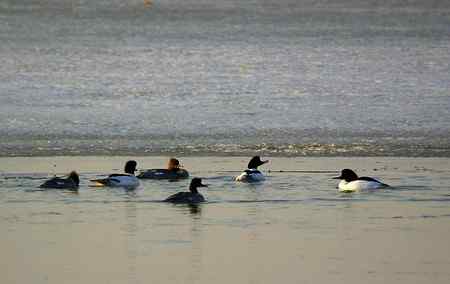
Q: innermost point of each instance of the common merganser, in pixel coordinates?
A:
(71, 182)
(173, 172)
(127, 180)
(252, 174)
(193, 196)
(350, 182)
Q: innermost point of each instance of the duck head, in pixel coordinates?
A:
(347, 175)
(255, 162)
(130, 167)
(74, 176)
(195, 183)
(173, 164)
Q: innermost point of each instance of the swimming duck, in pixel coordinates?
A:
(252, 174)
(173, 172)
(71, 182)
(193, 196)
(351, 182)
(127, 180)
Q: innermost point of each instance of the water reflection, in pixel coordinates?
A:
(192, 209)
(196, 259)
(253, 238)
(133, 192)
(131, 231)
(195, 209)
(195, 234)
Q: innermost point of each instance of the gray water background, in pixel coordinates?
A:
(295, 227)
(201, 77)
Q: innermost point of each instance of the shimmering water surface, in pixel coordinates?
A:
(284, 77)
(295, 227)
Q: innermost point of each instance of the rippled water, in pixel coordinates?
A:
(196, 77)
(294, 227)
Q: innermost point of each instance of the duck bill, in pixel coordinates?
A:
(336, 177)
(202, 185)
(265, 162)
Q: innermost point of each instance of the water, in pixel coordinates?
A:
(295, 227)
(206, 80)
(283, 78)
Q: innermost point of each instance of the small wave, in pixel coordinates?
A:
(140, 147)
(21, 177)
(259, 201)
(410, 188)
(424, 216)
(426, 199)
(46, 213)
(26, 201)
(225, 201)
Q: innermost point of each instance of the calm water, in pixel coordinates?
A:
(295, 227)
(283, 77)
(213, 78)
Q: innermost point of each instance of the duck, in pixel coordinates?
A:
(350, 182)
(174, 171)
(189, 197)
(126, 180)
(71, 182)
(252, 174)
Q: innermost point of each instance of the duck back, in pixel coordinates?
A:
(164, 174)
(251, 175)
(59, 183)
(185, 197)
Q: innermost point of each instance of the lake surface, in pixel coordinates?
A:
(285, 77)
(86, 85)
(295, 227)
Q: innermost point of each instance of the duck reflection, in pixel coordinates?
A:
(192, 209)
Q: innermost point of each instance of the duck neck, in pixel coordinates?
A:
(193, 189)
(74, 177)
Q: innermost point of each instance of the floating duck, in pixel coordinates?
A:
(174, 171)
(71, 182)
(127, 180)
(252, 174)
(350, 182)
(190, 197)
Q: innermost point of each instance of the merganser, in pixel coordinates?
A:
(127, 180)
(173, 172)
(193, 196)
(252, 174)
(71, 182)
(350, 182)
